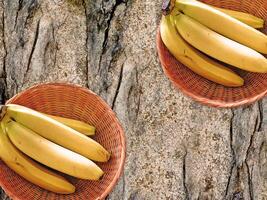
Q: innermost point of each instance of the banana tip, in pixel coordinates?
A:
(107, 157)
(167, 6)
(101, 177)
(3, 109)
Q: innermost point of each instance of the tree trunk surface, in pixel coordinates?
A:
(176, 148)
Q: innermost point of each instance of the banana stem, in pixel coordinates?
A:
(3, 109)
(167, 6)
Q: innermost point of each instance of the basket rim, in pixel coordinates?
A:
(122, 134)
(203, 100)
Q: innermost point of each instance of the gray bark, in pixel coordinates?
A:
(176, 148)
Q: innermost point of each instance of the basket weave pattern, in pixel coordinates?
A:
(205, 91)
(77, 103)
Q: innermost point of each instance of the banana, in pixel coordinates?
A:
(51, 154)
(224, 24)
(246, 18)
(31, 170)
(193, 59)
(58, 132)
(218, 46)
(77, 125)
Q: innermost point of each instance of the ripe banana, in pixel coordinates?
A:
(77, 125)
(193, 59)
(57, 132)
(224, 24)
(31, 170)
(218, 46)
(246, 18)
(51, 154)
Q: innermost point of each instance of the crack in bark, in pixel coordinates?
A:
(33, 46)
(106, 33)
(118, 87)
(31, 9)
(17, 13)
(250, 184)
(261, 147)
(251, 138)
(261, 115)
(139, 94)
(245, 163)
(4, 44)
(257, 127)
(118, 2)
(123, 186)
(184, 177)
(56, 46)
(4, 75)
(138, 105)
(99, 63)
(233, 162)
(86, 43)
(229, 180)
(231, 135)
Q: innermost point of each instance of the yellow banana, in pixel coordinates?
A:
(31, 170)
(51, 154)
(224, 24)
(218, 46)
(246, 18)
(193, 59)
(58, 132)
(77, 125)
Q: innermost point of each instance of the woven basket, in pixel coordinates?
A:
(205, 91)
(78, 103)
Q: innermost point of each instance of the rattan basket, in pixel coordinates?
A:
(78, 103)
(205, 91)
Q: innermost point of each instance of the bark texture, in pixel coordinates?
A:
(176, 148)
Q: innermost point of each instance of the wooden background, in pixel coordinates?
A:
(177, 149)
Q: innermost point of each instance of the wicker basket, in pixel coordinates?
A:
(79, 103)
(205, 91)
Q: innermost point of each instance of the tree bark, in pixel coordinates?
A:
(176, 148)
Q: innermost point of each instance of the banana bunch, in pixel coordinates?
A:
(198, 35)
(28, 137)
